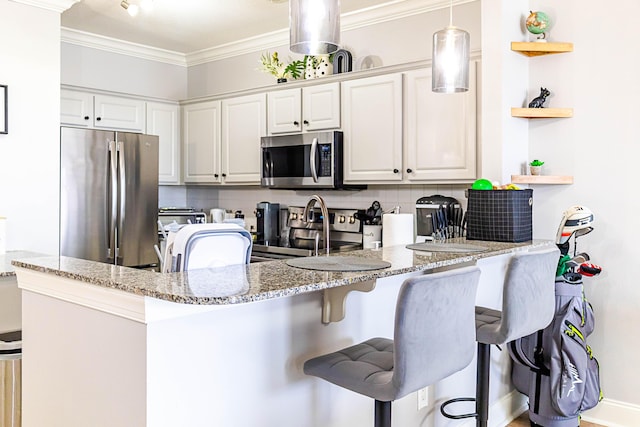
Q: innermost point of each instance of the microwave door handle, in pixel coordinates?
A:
(268, 164)
(113, 202)
(312, 159)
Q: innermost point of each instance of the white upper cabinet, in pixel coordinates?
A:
(112, 112)
(408, 136)
(163, 119)
(372, 126)
(76, 108)
(440, 140)
(243, 123)
(310, 108)
(201, 142)
(221, 140)
(85, 109)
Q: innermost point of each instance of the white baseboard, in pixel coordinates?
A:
(609, 413)
(502, 412)
(613, 413)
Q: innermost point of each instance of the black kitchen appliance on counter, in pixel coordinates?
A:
(268, 223)
(438, 216)
(345, 233)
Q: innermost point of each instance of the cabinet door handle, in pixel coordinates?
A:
(215, 175)
(409, 170)
(396, 171)
(306, 122)
(87, 118)
(295, 123)
(98, 118)
(224, 175)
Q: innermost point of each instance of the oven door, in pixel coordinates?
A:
(299, 161)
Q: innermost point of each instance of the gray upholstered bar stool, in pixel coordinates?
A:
(433, 338)
(528, 305)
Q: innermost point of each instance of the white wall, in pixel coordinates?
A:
(599, 81)
(386, 43)
(29, 153)
(93, 68)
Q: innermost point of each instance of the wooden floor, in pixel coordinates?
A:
(523, 421)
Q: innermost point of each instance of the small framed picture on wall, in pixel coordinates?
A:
(3, 109)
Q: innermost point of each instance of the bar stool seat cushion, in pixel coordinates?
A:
(366, 367)
(433, 338)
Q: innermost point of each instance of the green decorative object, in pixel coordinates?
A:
(535, 167)
(538, 23)
(482, 184)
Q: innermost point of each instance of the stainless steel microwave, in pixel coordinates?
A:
(304, 160)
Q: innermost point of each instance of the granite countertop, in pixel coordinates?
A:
(6, 268)
(257, 281)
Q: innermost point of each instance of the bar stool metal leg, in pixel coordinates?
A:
(482, 393)
(483, 365)
(382, 414)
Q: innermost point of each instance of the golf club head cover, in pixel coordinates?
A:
(588, 269)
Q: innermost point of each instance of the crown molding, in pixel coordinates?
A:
(109, 44)
(55, 5)
(392, 10)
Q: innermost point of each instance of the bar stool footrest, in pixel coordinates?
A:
(460, 416)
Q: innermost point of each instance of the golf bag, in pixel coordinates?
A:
(555, 367)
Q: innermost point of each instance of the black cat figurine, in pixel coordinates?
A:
(538, 101)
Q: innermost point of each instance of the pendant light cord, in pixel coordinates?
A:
(451, 13)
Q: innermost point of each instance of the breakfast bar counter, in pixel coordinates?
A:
(258, 281)
(106, 345)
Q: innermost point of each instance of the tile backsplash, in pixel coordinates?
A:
(245, 198)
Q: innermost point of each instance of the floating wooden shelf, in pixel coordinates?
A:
(542, 113)
(541, 179)
(541, 48)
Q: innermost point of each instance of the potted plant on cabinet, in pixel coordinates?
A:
(271, 64)
(535, 167)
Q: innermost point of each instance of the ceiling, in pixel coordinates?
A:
(188, 26)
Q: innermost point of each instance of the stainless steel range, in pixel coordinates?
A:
(299, 239)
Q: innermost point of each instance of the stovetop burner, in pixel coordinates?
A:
(299, 239)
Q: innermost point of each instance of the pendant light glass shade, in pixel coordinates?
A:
(314, 26)
(450, 61)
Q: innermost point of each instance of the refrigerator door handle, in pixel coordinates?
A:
(122, 168)
(113, 195)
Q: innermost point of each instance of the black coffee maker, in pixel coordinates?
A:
(268, 223)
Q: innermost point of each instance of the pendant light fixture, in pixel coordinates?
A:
(133, 9)
(450, 60)
(314, 26)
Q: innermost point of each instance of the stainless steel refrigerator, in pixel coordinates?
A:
(109, 196)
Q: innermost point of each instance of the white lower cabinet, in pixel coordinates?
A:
(244, 121)
(440, 140)
(201, 142)
(372, 126)
(163, 120)
(222, 140)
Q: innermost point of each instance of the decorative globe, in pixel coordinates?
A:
(538, 23)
